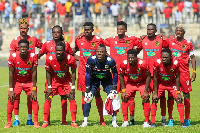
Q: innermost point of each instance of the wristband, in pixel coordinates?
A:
(34, 89)
(123, 90)
(194, 71)
(72, 87)
(49, 87)
(11, 89)
(178, 92)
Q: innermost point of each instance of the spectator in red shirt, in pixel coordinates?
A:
(195, 6)
(61, 11)
(167, 11)
(2, 3)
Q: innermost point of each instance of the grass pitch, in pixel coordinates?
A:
(94, 117)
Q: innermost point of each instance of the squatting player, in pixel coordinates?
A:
(166, 77)
(98, 71)
(138, 79)
(22, 76)
(87, 46)
(61, 82)
(182, 50)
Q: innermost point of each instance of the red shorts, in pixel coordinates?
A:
(185, 83)
(119, 88)
(133, 87)
(61, 89)
(171, 88)
(18, 87)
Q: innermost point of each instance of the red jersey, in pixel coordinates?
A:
(134, 74)
(169, 4)
(166, 74)
(61, 10)
(180, 6)
(167, 12)
(60, 70)
(33, 42)
(49, 48)
(87, 49)
(181, 51)
(119, 47)
(23, 68)
(58, 5)
(151, 50)
(195, 7)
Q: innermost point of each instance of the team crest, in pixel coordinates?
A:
(126, 42)
(31, 42)
(184, 46)
(93, 44)
(171, 70)
(106, 66)
(29, 63)
(156, 43)
(138, 69)
(65, 65)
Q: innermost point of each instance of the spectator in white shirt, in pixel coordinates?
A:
(188, 7)
(115, 12)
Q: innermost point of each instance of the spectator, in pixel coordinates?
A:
(123, 7)
(18, 12)
(180, 6)
(159, 6)
(2, 3)
(87, 12)
(105, 14)
(167, 12)
(133, 10)
(115, 12)
(127, 12)
(31, 21)
(69, 12)
(8, 10)
(178, 16)
(51, 6)
(79, 14)
(196, 7)
(197, 43)
(149, 9)
(24, 9)
(188, 6)
(141, 4)
(58, 5)
(139, 17)
(14, 6)
(62, 10)
(97, 9)
(1, 38)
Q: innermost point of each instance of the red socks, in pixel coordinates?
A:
(47, 106)
(125, 111)
(35, 108)
(146, 107)
(73, 110)
(99, 104)
(153, 112)
(16, 107)
(29, 105)
(180, 108)
(83, 102)
(170, 104)
(131, 105)
(10, 107)
(163, 105)
(187, 108)
(64, 110)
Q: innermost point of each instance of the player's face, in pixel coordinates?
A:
(23, 29)
(121, 30)
(179, 32)
(60, 53)
(166, 58)
(88, 30)
(101, 53)
(132, 60)
(151, 30)
(23, 48)
(56, 33)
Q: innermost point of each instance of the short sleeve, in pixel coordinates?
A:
(38, 43)
(47, 63)
(76, 44)
(68, 49)
(166, 43)
(122, 67)
(13, 48)
(156, 66)
(107, 42)
(43, 50)
(11, 60)
(71, 61)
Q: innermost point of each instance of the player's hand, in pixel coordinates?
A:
(145, 95)
(33, 95)
(193, 77)
(142, 37)
(155, 98)
(11, 95)
(72, 93)
(80, 35)
(124, 95)
(179, 97)
(49, 92)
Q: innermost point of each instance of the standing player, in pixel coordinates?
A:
(23, 29)
(152, 45)
(138, 79)
(183, 51)
(166, 77)
(98, 69)
(22, 76)
(87, 46)
(61, 82)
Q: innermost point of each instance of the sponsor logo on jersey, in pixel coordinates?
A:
(121, 51)
(184, 46)
(30, 48)
(106, 66)
(87, 54)
(61, 75)
(93, 44)
(126, 42)
(30, 42)
(29, 63)
(100, 76)
(156, 43)
(176, 54)
(166, 78)
(151, 54)
(134, 77)
(138, 70)
(23, 72)
(66, 65)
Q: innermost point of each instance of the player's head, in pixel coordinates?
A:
(57, 33)
(151, 30)
(101, 52)
(60, 50)
(180, 31)
(132, 57)
(23, 26)
(23, 46)
(121, 28)
(88, 28)
(166, 56)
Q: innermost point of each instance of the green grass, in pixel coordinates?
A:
(94, 117)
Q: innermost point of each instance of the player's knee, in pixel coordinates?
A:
(83, 94)
(63, 97)
(145, 100)
(97, 94)
(179, 100)
(186, 95)
(71, 97)
(154, 100)
(124, 100)
(170, 98)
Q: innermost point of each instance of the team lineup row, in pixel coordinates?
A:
(166, 70)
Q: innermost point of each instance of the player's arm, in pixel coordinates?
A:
(193, 61)
(42, 51)
(155, 84)
(179, 97)
(11, 94)
(75, 49)
(148, 80)
(49, 90)
(13, 47)
(34, 80)
(123, 86)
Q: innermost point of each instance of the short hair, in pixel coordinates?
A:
(61, 44)
(101, 46)
(152, 24)
(180, 26)
(23, 41)
(122, 23)
(23, 21)
(132, 51)
(89, 24)
(167, 51)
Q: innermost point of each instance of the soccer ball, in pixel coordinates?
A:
(88, 97)
(113, 94)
